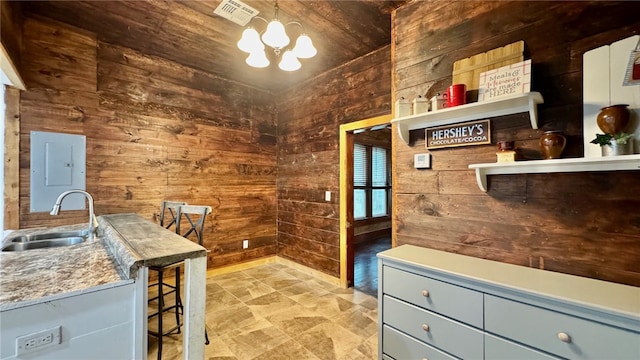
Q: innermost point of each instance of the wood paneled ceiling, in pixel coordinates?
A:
(189, 33)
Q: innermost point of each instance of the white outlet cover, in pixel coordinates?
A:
(327, 195)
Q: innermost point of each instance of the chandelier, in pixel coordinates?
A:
(276, 38)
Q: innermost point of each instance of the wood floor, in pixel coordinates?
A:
(366, 265)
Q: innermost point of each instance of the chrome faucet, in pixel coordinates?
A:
(56, 208)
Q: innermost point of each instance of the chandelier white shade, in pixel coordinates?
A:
(289, 62)
(304, 47)
(275, 36)
(257, 59)
(250, 41)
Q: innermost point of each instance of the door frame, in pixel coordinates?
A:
(346, 193)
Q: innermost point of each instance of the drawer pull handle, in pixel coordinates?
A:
(564, 337)
(425, 293)
(425, 327)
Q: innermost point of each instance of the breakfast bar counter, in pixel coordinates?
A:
(118, 258)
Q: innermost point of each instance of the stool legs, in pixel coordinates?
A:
(177, 307)
(160, 310)
(178, 304)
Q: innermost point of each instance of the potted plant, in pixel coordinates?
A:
(612, 120)
(614, 144)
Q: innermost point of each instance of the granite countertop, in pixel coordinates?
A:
(125, 242)
(38, 275)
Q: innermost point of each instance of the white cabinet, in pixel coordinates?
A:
(94, 325)
(440, 305)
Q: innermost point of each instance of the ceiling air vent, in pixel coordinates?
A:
(236, 11)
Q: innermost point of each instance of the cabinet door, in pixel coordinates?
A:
(500, 349)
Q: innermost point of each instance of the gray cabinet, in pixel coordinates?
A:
(439, 305)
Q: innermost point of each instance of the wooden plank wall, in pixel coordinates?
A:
(155, 130)
(309, 117)
(585, 224)
(11, 21)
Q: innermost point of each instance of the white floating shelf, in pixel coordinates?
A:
(526, 102)
(607, 163)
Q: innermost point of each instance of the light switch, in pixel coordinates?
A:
(327, 195)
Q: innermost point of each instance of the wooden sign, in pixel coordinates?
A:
(467, 71)
(505, 81)
(471, 133)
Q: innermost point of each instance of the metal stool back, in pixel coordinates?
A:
(194, 215)
(187, 220)
(168, 212)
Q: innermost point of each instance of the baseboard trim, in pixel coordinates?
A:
(241, 266)
(309, 271)
(271, 260)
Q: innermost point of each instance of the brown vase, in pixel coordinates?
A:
(613, 119)
(552, 144)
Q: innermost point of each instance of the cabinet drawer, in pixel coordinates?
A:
(443, 298)
(542, 329)
(403, 347)
(500, 349)
(445, 334)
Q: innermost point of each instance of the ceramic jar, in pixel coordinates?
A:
(552, 144)
(613, 119)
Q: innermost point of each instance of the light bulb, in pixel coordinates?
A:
(250, 41)
(257, 59)
(304, 47)
(289, 62)
(275, 36)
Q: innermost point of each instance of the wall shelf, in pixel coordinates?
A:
(608, 163)
(526, 102)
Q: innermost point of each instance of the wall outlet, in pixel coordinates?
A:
(327, 195)
(27, 344)
(245, 244)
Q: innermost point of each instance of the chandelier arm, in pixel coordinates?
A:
(294, 23)
(260, 18)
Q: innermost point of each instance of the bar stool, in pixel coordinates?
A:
(188, 221)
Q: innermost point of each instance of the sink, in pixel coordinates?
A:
(45, 240)
(49, 236)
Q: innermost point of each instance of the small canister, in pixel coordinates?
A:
(420, 105)
(403, 107)
(438, 102)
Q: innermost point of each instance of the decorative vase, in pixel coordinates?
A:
(617, 149)
(613, 119)
(552, 144)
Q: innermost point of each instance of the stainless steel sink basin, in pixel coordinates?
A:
(50, 235)
(45, 240)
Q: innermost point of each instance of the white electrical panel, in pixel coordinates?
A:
(58, 164)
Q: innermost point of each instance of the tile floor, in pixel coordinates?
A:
(274, 311)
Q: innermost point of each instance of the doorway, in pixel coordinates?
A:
(368, 232)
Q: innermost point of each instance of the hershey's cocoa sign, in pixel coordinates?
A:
(471, 133)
